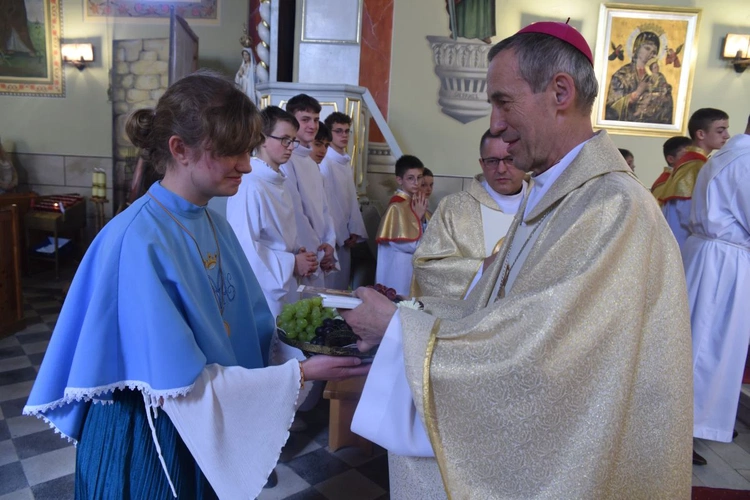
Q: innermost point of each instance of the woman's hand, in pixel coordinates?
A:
(322, 367)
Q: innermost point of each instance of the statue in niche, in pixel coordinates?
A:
(246, 77)
(472, 19)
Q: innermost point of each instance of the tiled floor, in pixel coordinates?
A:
(36, 464)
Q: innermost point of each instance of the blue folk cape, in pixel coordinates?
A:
(142, 312)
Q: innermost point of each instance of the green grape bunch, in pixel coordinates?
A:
(301, 319)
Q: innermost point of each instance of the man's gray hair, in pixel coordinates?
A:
(541, 56)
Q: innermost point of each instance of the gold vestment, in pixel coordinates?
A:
(681, 182)
(658, 188)
(400, 223)
(453, 247)
(578, 383)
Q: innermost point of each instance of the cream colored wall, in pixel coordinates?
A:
(81, 122)
(449, 147)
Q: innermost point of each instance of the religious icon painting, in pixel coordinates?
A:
(139, 11)
(645, 63)
(30, 59)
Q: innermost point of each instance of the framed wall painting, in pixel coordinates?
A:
(30, 59)
(195, 11)
(645, 63)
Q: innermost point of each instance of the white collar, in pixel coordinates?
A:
(544, 181)
(508, 203)
(334, 155)
(263, 170)
(302, 151)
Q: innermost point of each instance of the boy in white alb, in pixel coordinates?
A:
(342, 198)
(402, 227)
(262, 216)
(315, 228)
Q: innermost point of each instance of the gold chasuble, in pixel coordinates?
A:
(578, 382)
(680, 184)
(399, 224)
(658, 188)
(453, 247)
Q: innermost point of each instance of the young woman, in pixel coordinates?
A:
(166, 314)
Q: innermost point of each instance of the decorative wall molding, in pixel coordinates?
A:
(461, 66)
(380, 159)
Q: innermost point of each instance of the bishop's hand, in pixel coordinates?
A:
(370, 319)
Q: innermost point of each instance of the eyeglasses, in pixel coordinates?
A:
(285, 141)
(341, 131)
(493, 162)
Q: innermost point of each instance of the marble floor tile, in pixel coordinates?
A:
(731, 453)
(308, 494)
(348, 485)
(9, 364)
(48, 466)
(11, 351)
(25, 425)
(9, 341)
(289, 484)
(35, 328)
(30, 338)
(62, 488)
(8, 453)
(22, 494)
(17, 376)
(39, 443)
(376, 471)
(12, 478)
(35, 347)
(317, 466)
(13, 407)
(717, 473)
(15, 391)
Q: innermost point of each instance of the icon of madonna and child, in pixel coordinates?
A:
(639, 91)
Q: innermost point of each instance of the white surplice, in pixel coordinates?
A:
(344, 209)
(716, 257)
(262, 216)
(314, 223)
(394, 268)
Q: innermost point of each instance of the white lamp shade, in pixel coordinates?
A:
(735, 44)
(79, 52)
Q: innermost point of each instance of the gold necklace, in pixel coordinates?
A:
(209, 262)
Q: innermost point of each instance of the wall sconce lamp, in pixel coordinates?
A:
(78, 54)
(736, 49)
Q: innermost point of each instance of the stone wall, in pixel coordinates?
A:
(140, 77)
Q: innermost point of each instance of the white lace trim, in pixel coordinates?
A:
(79, 394)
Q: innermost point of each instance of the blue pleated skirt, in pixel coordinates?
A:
(116, 456)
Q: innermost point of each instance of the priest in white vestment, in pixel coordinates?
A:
(464, 233)
(566, 372)
(716, 256)
(341, 193)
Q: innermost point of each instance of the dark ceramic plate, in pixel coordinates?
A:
(311, 349)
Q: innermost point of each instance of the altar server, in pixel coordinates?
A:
(342, 198)
(716, 256)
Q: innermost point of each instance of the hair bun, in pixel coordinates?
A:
(138, 127)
